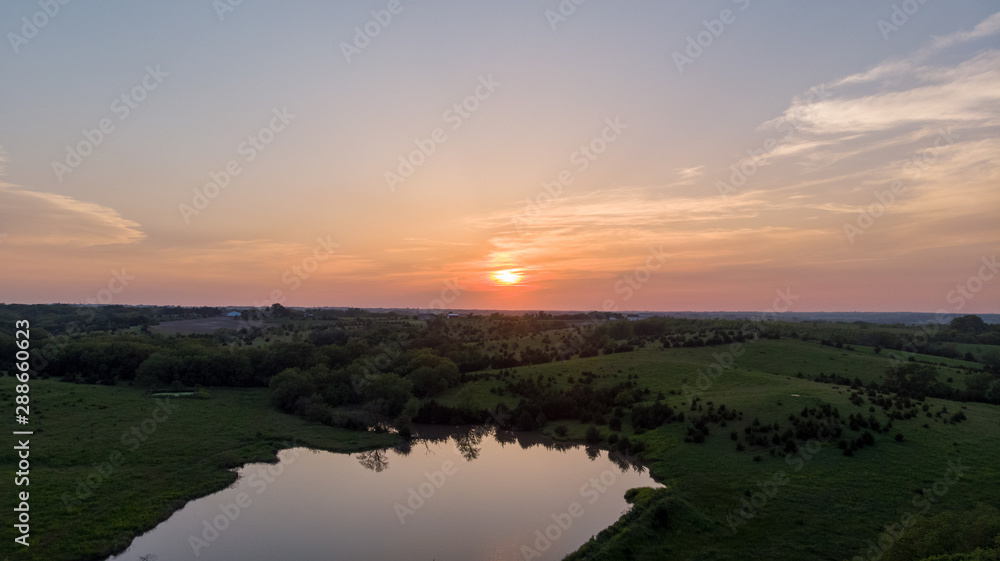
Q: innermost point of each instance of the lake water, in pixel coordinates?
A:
(469, 495)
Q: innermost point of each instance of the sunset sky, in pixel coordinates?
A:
(847, 152)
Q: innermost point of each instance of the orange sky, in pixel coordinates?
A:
(869, 182)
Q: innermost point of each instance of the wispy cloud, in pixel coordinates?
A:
(35, 218)
(32, 218)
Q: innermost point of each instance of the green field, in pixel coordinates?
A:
(189, 446)
(832, 505)
(828, 506)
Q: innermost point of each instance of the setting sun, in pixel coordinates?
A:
(507, 277)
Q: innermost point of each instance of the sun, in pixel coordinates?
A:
(509, 276)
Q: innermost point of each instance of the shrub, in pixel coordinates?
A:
(593, 435)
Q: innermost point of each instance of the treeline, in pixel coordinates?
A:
(931, 339)
(73, 319)
(920, 380)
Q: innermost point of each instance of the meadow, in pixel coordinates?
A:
(108, 463)
(733, 434)
(831, 507)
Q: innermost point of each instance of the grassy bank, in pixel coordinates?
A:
(108, 463)
(829, 506)
(819, 504)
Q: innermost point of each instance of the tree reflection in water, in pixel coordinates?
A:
(469, 440)
(404, 448)
(374, 460)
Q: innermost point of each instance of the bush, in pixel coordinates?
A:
(288, 387)
(561, 430)
(615, 424)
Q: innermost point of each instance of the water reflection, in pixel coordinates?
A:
(468, 441)
(471, 494)
(374, 460)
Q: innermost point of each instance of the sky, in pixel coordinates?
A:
(557, 155)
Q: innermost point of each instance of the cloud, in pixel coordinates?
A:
(31, 218)
(964, 95)
(262, 259)
(688, 176)
(927, 122)
(863, 133)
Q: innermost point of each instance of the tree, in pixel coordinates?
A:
(991, 362)
(915, 378)
(333, 336)
(624, 398)
(159, 368)
(288, 387)
(432, 374)
(969, 324)
(950, 534)
(593, 435)
(387, 394)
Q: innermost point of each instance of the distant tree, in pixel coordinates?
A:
(991, 362)
(159, 368)
(333, 336)
(955, 536)
(915, 378)
(969, 324)
(624, 398)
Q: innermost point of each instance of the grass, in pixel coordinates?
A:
(186, 454)
(829, 506)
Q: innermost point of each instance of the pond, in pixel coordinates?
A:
(468, 494)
